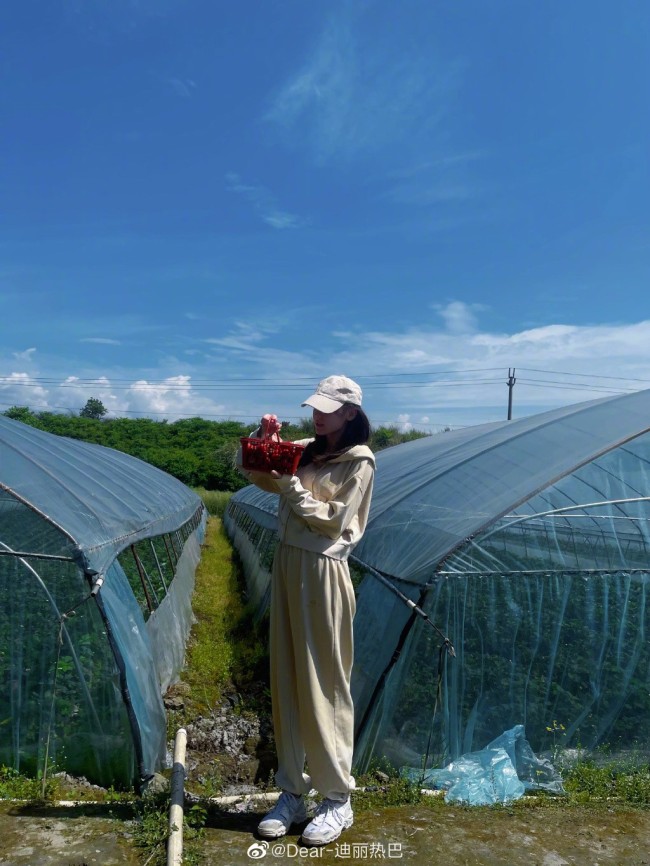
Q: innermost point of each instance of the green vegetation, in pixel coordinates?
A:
(94, 408)
(198, 452)
(15, 786)
(586, 782)
(38, 789)
(615, 781)
(225, 649)
(66, 675)
(214, 500)
(382, 785)
(151, 829)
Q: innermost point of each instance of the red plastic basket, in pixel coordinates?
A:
(265, 455)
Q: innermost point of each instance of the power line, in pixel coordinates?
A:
(577, 386)
(252, 383)
(298, 381)
(192, 387)
(243, 386)
(584, 375)
(116, 414)
(242, 380)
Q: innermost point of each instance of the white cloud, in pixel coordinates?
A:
(427, 376)
(172, 399)
(26, 355)
(352, 97)
(602, 346)
(459, 318)
(21, 389)
(264, 203)
(404, 423)
(105, 341)
(460, 378)
(281, 219)
(73, 393)
(183, 87)
(442, 181)
(246, 337)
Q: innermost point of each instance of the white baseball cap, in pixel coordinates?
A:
(334, 392)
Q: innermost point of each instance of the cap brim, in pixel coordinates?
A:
(322, 403)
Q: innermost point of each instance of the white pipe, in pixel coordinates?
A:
(175, 840)
(271, 797)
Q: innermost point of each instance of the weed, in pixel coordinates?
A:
(151, 829)
(393, 792)
(618, 781)
(112, 795)
(558, 730)
(14, 786)
(381, 785)
(211, 782)
(377, 767)
(151, 826)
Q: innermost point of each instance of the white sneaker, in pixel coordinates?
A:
(290, 809)
(331, 819)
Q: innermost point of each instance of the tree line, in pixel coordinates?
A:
(198, 452)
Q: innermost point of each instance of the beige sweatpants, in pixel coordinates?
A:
(312, 608)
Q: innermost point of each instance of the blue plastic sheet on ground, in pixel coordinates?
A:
(500, 773)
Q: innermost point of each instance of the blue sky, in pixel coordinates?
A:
(209, 206)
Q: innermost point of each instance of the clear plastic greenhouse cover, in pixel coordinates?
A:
(527, 543)
(100, 498)
(97, 557)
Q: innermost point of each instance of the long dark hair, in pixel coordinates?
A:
(355, 432)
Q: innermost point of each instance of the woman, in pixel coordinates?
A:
(322, 514)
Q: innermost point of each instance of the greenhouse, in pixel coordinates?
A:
(97, 558)
(502, 581)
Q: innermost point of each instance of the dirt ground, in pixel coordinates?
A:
(65, 836)
(456, 837)
(522, 835)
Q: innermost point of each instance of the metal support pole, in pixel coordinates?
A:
(511, 385)
(175, 841)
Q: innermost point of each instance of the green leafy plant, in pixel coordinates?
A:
(151, 829)
(587, 781)
(382, 785)
(15, 786)
(388, 792)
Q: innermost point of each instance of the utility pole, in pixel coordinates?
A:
(511, 385)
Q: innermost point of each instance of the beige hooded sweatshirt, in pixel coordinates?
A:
(324, 506)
